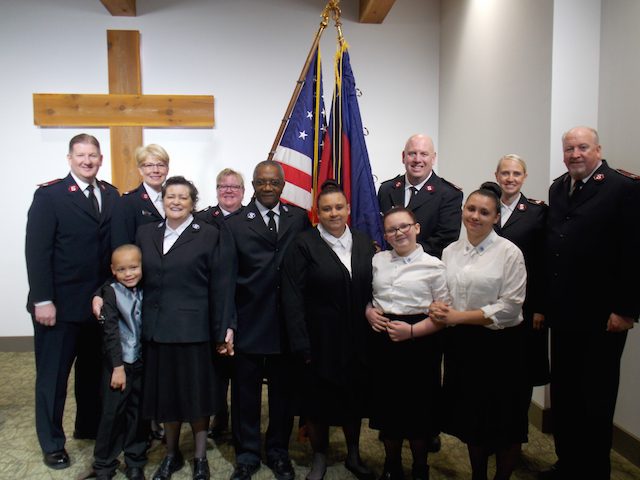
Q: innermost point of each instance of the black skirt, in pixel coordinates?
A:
(486, 395)
(180, 382)
(406, 384)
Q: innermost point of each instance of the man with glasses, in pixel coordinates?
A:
(144, 204)
(229, 192)
(259, 238)
(436, 203)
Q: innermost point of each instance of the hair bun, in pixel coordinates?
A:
(330, 185)
(492, 187)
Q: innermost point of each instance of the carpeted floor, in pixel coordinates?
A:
(22, 460)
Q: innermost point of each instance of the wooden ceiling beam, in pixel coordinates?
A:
(120, 8)
(374, 11)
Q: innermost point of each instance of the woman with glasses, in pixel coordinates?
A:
(229, 193)
(144, 204)
(406, 359)
(325, 288)
(484, 354)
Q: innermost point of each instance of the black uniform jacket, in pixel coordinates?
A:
(592, 250)
(182, 289)
(134, 208)
(324, 306)
(525, 227)
(214, 216)
(68, 247)
(437, 206)
(253, 259)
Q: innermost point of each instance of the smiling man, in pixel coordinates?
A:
(436, 203)
(593, 233)
(68, 252)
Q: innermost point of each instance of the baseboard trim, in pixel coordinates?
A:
(624, 443)
(16, 344)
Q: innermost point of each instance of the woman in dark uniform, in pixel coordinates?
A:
(484, 358)
(522, 220)
(325, 288)
(406, 362)
(144, 204)
(180, 264)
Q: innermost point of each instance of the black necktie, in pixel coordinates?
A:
(272, 223)
(414, 192)
(577, 186)
(94, 200)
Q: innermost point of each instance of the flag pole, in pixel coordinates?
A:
(330, 8)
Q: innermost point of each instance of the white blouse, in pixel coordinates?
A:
(340, 245)
(408, 285)
(490, 277)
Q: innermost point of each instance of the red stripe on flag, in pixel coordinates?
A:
(296, 177)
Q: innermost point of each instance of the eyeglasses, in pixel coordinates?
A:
(402, 228)
(234, 188)
(150, 166)
(263, 183)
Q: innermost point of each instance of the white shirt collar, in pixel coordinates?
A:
(82, 184)
(345, 240)
(482, 246)
(181, 228)
(407, 184)
(407, 258)
(586, 179)
(263, 210)
(153, 195)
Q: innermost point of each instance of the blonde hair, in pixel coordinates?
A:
(225, 172)
(151, 150)
(513, 156)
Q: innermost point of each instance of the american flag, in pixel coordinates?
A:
(301, 145)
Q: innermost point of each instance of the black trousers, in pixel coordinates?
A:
(246, 397)
(121, 426)
(56, 348)
(585, 372)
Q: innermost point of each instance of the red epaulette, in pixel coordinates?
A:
(452, 184)
(628, 174)
(50, 182)
(535, 202)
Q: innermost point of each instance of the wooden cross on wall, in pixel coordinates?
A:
(124, 110)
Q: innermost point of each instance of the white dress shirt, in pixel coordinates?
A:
(156, 198)
(171, 235)
(264, 210)
(408, 194)
(83, 186)
(341, 246)
(408, 285)
(507, 210)
(490, 277)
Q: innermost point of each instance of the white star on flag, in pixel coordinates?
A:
(303, 135)
(309, 115)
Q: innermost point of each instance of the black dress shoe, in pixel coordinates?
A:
(57, 460)
(361, 472)
(201, 469)
(554, 473)
(134, 473)
(282, 468)
(219, 425)
(392, 473)
(243, 471)
(169, 465)
(434, 445)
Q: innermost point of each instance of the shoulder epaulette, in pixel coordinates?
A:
(107, 183)
(451, 184)
(561, 177)
(633, 176)
(290, 206)
(397, 181)
(50, 182)
(127, 193)
(535, 202)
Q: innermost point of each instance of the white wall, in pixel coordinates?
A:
(619, 104)
(247, 53)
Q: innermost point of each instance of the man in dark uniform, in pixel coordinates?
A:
(436, 203)
(592, 240)
(229, 192)
(261, 235)
(68, 252)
